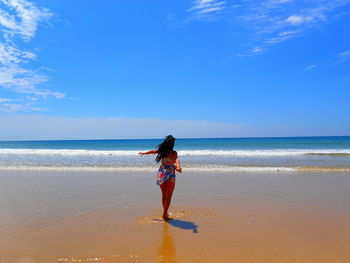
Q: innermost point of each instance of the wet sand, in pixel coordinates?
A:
(218, 217)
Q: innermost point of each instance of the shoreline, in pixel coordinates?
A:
(205, 169)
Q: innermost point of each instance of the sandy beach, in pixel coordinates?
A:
(245, 104)
(218, 217)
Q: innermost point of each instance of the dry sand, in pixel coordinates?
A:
(114, 217)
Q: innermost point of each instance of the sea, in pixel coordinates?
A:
(276, 154)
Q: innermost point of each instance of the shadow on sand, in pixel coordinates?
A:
(186, 225)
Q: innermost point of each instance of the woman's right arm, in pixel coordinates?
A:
(149, 152)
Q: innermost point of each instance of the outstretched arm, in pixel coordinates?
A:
(149, 152)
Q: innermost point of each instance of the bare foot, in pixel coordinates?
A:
(166, 217)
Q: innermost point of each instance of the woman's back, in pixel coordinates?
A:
(170, 159)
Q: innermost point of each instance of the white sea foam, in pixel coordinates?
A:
(262, 153)
(152, 169)
(206, 168)
(233, 153)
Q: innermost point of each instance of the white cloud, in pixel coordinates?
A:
(270, 22)
(24, 19)
(257, 50)
(345, 53)
(210, 10)
(281, 1)
(16, 107)
(343, 56)
(253, 52)
(280, 37)
(202, 9)
(298, 20)
(308, 68)
(24, 81)
(19, 20)
(5, 100)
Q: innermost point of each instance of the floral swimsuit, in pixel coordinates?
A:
(166, 171)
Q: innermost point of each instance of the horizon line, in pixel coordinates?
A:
(182, 138)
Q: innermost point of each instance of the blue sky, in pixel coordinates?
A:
(204, 68)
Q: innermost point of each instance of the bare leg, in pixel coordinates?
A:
(163, 187)
(167, 192)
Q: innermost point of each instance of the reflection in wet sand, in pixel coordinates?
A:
(166, 251)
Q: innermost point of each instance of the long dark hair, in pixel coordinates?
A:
(165, 148)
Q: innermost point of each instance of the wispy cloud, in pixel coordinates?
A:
(16, 107)
(269, 22)
(19, 21)
(5, 100)
(22, 18)
(344, 56)
(298, 20)
(308, 68)
(203, 9)
(253, 52)
(274, 21)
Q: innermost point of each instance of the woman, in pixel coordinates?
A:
(166, 176)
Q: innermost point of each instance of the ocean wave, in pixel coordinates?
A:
(232, 153)
(206, 168)
(262, 153)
